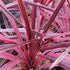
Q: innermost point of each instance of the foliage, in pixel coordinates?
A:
(34, 34)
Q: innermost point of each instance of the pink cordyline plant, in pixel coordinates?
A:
(34, 34)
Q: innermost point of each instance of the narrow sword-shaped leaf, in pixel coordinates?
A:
(54, 15)
(13, 46)
(60, 58)
(24, 15)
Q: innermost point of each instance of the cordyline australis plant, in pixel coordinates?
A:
(34, 34)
